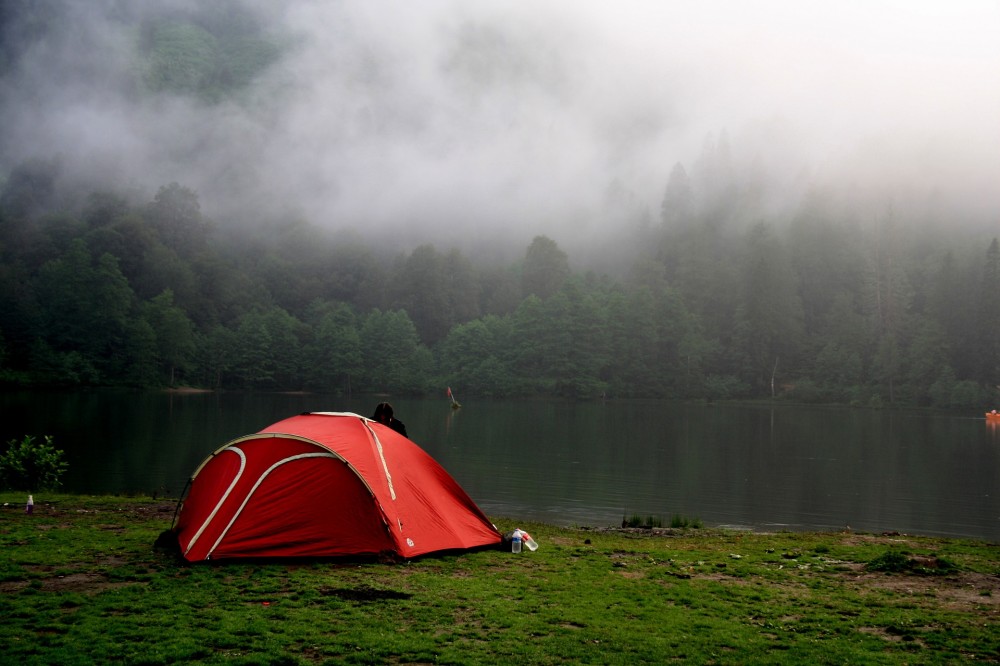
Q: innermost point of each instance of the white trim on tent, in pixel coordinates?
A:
(243, 464)
(300, 438)
(260, 479)
(342, 414)
(232, 445)
(378, 445)
(381, 456)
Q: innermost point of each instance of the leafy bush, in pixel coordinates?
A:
(30, 466)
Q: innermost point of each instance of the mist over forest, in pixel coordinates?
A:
(492, 122)
(721, 199)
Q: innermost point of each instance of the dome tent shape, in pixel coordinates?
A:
(325, 484)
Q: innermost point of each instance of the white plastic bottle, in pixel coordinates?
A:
(515, 543)
(529, 542)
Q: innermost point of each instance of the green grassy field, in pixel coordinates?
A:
(82, 584)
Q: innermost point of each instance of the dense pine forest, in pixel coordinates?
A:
(862, 297)
(152, 294)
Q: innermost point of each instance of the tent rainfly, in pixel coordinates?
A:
(325, 484)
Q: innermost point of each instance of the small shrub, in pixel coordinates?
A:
(894, 561)
(891, 561)
(31, 466)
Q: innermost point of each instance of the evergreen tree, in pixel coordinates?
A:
(216, 357)
(953, 306)
(420, 285)
(268, 351)
(988, 320)
(85, 306)
(635, 342)
(478, 357)
(677, 207)
(535, 339)
(588, 353)
(769, 317)
(839, 364)
(889, 296)
(174, 336)
(546, 268)
(333, 358)
(176, 215)
(389, 343)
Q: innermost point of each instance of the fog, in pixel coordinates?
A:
(447, 121)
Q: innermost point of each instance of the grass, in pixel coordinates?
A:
(683, 521)
(82, 584)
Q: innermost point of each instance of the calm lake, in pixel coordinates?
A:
(796, 468)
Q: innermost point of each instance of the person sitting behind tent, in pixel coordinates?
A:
(383, 414)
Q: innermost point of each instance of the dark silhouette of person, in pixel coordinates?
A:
(383, 414)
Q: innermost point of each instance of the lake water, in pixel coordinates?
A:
(796, 468)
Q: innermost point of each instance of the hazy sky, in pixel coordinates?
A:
(454, 116)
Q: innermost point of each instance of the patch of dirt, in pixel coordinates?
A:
(363, 594)
(892, 636)
(632, 574)
(84, 583)
(958, 591)
(888, 538)
(164, 507)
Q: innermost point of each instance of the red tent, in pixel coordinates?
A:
(326, 484)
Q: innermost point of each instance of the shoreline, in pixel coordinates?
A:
(14, 501)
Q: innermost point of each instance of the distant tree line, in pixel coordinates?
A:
(111, 292)
(717, 298)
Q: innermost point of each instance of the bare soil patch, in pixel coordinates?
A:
(83, 583)
(959, 590)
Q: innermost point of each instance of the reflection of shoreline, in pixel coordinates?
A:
(188, 389)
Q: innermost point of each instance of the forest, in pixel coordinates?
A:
(840, 296)
(824, 309)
